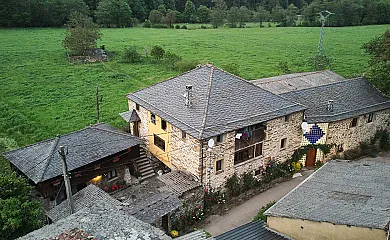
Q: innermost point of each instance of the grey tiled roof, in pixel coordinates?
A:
(221, 102)
(255, 230)
(103, 223)
(178, 182)
(297, 81)
(351, 98)
(154, 207)
(41, 161)
(341, 192)
(130, 116)
(85, 198)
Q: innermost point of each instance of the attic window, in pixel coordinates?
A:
(163, 125)
(283, 143)
(183, 135)
(137, 106)
(370, 117)
(219, 138)
(287, 118)
(153, 118)
(354, 122)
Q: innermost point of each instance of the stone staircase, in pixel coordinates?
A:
(145, 168)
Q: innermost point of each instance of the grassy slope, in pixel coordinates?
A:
(42, 95)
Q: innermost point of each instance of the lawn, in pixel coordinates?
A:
(43, 95)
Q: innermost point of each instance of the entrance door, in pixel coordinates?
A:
(136, 129)
(311, 157)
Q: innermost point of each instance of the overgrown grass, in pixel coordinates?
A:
(43, 95)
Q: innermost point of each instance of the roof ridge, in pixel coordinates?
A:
(302, 74)
(211, 77)
(57, 139)
(110, 131)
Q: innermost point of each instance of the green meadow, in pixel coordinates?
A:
(43, 95)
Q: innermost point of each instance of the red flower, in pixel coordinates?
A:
(120, 186)
(185, 217)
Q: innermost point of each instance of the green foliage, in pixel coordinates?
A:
(6, 144)
(284, 67)
(233, 16)
(244, 16)
(383, 136)
(131, 55)
(300, 152)
(157, 52)
(261, 15)
(171, 59)
(291, 15)
(278, 14)
(203, 14)
(177, 26)
(248, 181)
(212, 197)
(352, 154)
(233, 186)
(19, 214)
(260, 215)
(232, 68)
(113, 13)
(379, 51)
(190, 12)
(155, 17)
(184, 27)
(320, 62)
(218, 13)
(82, 34)
(147, 24)
(170, 18)
(186, 65)
(319, 164)
(296, 166)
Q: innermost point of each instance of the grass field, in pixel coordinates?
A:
(43, 95)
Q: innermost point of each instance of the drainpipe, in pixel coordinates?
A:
(201, 167)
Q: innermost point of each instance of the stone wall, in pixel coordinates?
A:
(341, 132)
(143, 125)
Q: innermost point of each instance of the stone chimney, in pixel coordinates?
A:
(188, 96)
(330, 106)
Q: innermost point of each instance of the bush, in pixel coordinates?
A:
(157, 52)
(160, 25)
(130, 55)
(184, 27)
(365, 148)
(383, 137)
(203, 27)
(260, 215)
(147, 24)
(177, 26)
(171, 59)
(134, 22)
(352, 154)
(186, 65)
(269, 25)
(232, 186)
(248, 181)
(319, 164)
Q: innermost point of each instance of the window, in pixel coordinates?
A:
(370, 117)
(219, 138)
(183, 135)
(163, 125)
(153, 118)
(257, 172)
(287, 118)
(354, 122)
(259, 149)
(159, 142)
(112, 174)
(137, 106)
(283, 143)
(218, 166)
(243, 155)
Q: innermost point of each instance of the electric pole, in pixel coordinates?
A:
(66, 179)
(99, 99)
(323, 15)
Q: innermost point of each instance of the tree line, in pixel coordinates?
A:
(128, 13)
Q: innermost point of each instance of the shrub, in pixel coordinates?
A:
(212, 197)
(186, 65)
(184, 27)
(365, 148)
(260, 215)
(248, 181)
(383, 137)
(131, 55)
(269, 25)
(171, 59)
(319, 164)
(203, 27)
(134, 22)
(352, 154)
(160, 25)
(147, 24)
(157, 52)
(233, 186)
(177, 26)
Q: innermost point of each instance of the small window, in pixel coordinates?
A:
(112, 174)
(218, 165)
(259, 149)
(257, 172)
(283, 143)
(219, 138)
(354, 122)
(159, 142)
(287, 118)
(137, 106)
(163, 125)
(370, 117)
(183, 135)
(153, 118)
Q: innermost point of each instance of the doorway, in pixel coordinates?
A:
(311, 157)
(136, 129)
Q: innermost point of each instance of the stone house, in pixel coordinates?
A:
(341, 200)
(248, 125)
(339, 111)
(99, 154)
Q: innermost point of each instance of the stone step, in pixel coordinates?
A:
(147, 176)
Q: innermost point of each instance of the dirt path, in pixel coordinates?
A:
(244, 213)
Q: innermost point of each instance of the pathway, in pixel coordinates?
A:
(244, 213)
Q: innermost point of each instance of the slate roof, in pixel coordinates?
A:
(178, 182)
(341, 192)
(297, 81)
(130, 116)
(154, 207)
(102, 222)
(41, 161)
(221, 102)
(255, 230)
(351, 98)
(85, 198)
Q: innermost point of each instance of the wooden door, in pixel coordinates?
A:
(311, 157)
(136, 129)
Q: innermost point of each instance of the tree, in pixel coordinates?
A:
(190, 12)
(291, 15)
(218, 13)
(155, 16)
(170, 18)
(379, 51)
(278, 15)
(138, 8)
(233, 16)
(157, 52)
(114, 13)
(203, 14)
(244, 15)
(261, 15)
(82, 34)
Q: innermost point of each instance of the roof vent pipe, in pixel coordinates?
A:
(330, 106)
(188, 96)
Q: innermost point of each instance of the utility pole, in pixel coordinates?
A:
(66, 179)
(323, 15)
(99, 99)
